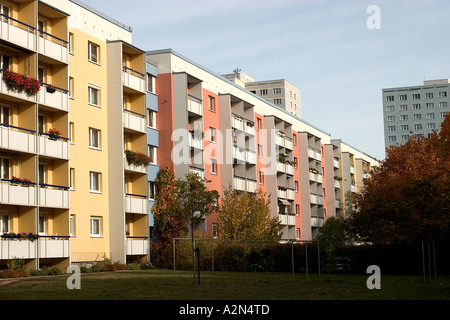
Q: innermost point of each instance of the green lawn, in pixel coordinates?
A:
(157, 284)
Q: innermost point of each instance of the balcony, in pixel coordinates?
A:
(316, 222)
(12, 93)
(56, 98)
(239, 183)
(336, 162)
(283, 141)
(134, 121)
(53, 47)
(237, 122)
(53, 196)
(239, 153)
(249, 127)
(17, 32)
(316, 199)
(316, 177)
(136, 203)
(195, 105)
(16, 138)
(133, 79)
(286, 218)
(53, 147)
(137, 245)
(251, 185)
(282, 192)
(17, 194)
(15, 248)
(250, 156)
(314, 153)
(196, 140)
(54, 246)
(133, 167)
(199, 171)
(290, 194)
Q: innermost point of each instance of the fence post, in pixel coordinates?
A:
(318, 256)
(306, 257)
(174, 256)
(292, 257)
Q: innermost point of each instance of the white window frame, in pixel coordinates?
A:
(95, 139)
(72, 230)
(5, 168)
(95, 180)
(213, 166)
(151, 118)
(212, 135)
(41, 224)
(95, 226)
(152, 153)
(72, 178)
(93, 89)
(4, 222)
(91, 57)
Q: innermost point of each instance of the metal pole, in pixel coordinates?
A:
(292, 257)
(174, 256)
(318, 256)
(306, 257)
(423, 263)
(434, 259)
(429, 259)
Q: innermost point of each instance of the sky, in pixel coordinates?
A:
(327, 48)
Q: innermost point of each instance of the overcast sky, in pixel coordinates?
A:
(323, 47)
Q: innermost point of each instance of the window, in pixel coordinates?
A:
(418, 126)
(430, 105)
(42, 173)
(296, 186)
(431, 126)
(294, 139)
(443, 94)
(297, 209)
(391, 128)
(215, 232)
(152, 154)
(430, 116)
(403, 107)
(94, 95)
(261, 177)
(297, 233)
(258, 124)
(72, 179)
(4, 11)
(71, 132)
(212, 134)
(390, 118)
(276, 90)
(403, 117)
(429, 95)
(404, 127)
(41, 225)
(392, 138)
(417, 116)
(72, 231)
(405, 137)
(443, 104)
(389, 108)
(4, 168)
(416, 96)
(94, 138)
(4, 61)
(260, 150)
(71, 43)
(93, 53)
(70, 87)
(389, 98)
(96, 226)
(277, 101)
(213, 166)
(152, 190)
(150, 83)
(4, 115)
(416, 106)
(4, 223)
(443, 114)
(263, 92)
(295, 162)
(94, 178)
(403, 97)
(212, 103)
(151, 118)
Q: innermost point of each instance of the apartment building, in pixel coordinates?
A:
(85, 189)
(415, 110)
(279, 92)
(232, 137)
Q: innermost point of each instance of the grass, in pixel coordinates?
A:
(159, 284)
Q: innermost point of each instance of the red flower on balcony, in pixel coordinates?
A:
(19, 82)
(53, 133)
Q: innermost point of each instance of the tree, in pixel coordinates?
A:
(246, 216)
(407, 197)
(192, 203)
(166, 225)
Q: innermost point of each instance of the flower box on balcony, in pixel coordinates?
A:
(18, 82)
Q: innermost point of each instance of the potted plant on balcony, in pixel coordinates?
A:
(16, 181)
(137, 158)
(50, 88)
(53, 133)
(18, 82)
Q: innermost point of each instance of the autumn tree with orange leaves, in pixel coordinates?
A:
(407, 196)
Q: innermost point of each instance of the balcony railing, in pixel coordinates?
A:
(199, 171)
(286, 218)
(17, 32)
(194, 105)
(133, 79)
(54, 97)
(137, 245)
(242, 124)
(244, 184)
(316, 222)
(53, 147)
(53, 196)
(134, 121)
(53, 47)
(17, 138)
(314, 153)
(44, 247)
(17, 193)
(136, 203)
